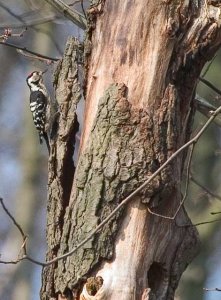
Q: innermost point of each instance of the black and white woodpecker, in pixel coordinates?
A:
(38, 104)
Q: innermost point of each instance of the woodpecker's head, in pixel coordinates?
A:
(35, 80)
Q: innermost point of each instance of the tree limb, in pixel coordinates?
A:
(71, 14)
(28, 51)
(210, 85)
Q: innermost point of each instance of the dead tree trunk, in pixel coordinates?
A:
(142, 62)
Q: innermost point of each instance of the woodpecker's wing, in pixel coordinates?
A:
(38, 97)
(38, 103)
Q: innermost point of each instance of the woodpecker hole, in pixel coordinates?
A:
(93, 285)
(156, 277)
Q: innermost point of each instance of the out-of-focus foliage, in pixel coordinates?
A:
(205, 270)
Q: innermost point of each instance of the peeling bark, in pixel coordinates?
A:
(142, 62)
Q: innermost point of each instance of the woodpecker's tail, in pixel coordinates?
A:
(45, 136)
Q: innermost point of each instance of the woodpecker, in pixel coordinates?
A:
(38, 104)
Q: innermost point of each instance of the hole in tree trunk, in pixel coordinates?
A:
(157, 278)
(93, 285)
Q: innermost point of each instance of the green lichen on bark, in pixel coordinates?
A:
(121, 154)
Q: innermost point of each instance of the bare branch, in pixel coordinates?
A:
(8, 33)
(24, 51)
(31, 23)
(202, 104)
(47, 61)
(210, 85)
(201, 223)
(23, 249)
(192, 142)
(185, 193)
(34, 18)
(215, 212)
(205, 108)
(29, 51)
(82, 7)
(71, 14)
(24, 236)
(212, 290)
(10, 12)
(12, 262)
(137, 191)
(188, 173)
(13, 219)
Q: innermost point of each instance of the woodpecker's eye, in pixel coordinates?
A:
(35, 78)
(36, 81)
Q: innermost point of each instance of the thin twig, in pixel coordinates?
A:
(202, 103)
(35, 16)
(201, 223)
(31, 23)
(185, 193)
(29, 51)
(215, 212)
(24, 236)
(14, 15)
(74, 3)
(12, 262)
(13, 219)
(210, 85)
(207, 222)
(193, 179)
(212, 290)
(130, 197)
(138, 190)
(188, 174)
(8, 33)
(24, 255)
(70, 13)
(82, 7)
(34, 57)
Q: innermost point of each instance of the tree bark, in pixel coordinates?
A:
(142, 62)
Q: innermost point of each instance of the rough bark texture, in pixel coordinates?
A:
(143, 59)
(61, 164)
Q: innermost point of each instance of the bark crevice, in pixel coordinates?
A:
(61, 164)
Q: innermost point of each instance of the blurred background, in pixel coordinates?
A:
(23, 161)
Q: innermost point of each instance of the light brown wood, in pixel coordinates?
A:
(143, 59)
(130, 45)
